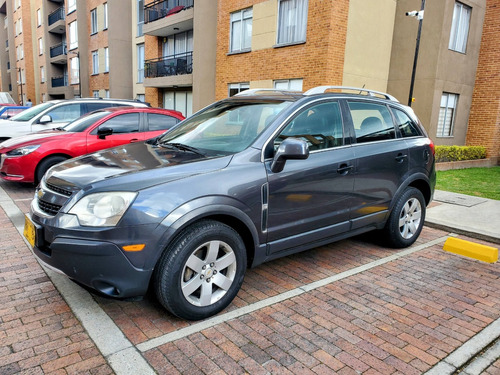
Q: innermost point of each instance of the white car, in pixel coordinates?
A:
(56, 113)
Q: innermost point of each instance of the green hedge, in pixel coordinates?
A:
(458, 153)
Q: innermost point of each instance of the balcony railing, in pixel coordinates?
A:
(56, 15)
(164, 8)
(58, 50)
(60, 81)
(169, 66)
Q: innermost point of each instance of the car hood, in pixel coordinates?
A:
(32, 138)
(115, 166)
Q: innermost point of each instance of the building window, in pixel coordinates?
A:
(39, 17)
(21, 51)
(241, 30)
(95, 93)
(181, 101)
(93, 21)
(71, 5)
(141, 97)
(292, 21)
(95, 62)
(44, 98)
(178, 44)
(42, 74)
(73, 35)
(460, 27)
(288, 84)
(75, 74)
(40, 46)
(234, 88)
(447, 115)
(105, 15)
(140, 17)
(106, 59)
(140, 63)
(106, 93)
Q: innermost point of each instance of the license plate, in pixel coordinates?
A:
(29, 230)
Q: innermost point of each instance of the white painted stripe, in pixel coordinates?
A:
(197, 327)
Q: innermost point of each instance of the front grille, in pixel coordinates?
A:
(58, 189)
(48, 208)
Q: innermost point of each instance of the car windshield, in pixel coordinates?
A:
(82, 123)
(31, 112)
(226, 128)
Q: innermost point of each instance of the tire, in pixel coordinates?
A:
(406, 219)
(45, 164)
(202, 271)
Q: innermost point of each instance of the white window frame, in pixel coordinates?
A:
(105, 15)
(93, 22)
(447, 115)
(106, 94)
(95, 93)
(40, 46)
(39, 17)
(75, 73)
(42, 74)
(237, 88)
(140, 17)
(292, 21)
(95, 62)
(460, 25)
(241, 24)
(71, 6)
(140, 62)
(73, 35)
(288, 84)
(106, 59)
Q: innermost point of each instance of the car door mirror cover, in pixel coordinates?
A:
(103, 132)
(45, 119)
(289, 149)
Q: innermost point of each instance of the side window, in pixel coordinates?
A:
(406, 126)
(128, 123)
(372, 122)
(320, 126)
(66, 113)
(95, 106)
(160, 122)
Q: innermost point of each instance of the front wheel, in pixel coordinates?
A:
(47, 163)
(406, 219)
(202, 271)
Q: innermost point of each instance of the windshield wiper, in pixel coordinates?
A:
(182, 147)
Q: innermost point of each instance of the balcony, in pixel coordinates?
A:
(60, 81)
(161, 17)
(169, 71)
(56, 21)
(58, 54)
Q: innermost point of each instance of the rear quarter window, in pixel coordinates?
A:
(372, 122)
(404, 123)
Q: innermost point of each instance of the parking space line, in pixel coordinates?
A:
(197, 327)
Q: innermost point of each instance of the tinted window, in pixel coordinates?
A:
(84, 122)
(372, 122)
(95, 106)
(128, 123)
(66, 113)
(405, 125)
(160, 122)
(320, 126)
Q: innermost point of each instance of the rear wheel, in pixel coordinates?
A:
(45, 164)
(406, 220)
(202, 271)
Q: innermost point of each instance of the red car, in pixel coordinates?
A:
(27, 158)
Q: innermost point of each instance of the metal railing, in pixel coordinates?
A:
(163, 8)
(56, 15)
(58, 50)
(169, 66)
(60, 81)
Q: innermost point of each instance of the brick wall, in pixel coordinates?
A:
(319, 61)
(484, 120)
(97, 42)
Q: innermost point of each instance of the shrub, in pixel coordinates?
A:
(458, 153)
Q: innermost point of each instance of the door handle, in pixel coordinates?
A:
(134, 140)
(401, 157)
(344, 168)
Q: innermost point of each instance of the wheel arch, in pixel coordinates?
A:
(37, 168)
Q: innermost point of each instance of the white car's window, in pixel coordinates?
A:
(66, 113)
(31, 112)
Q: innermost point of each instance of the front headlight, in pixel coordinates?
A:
(21, 151)
(102, 209)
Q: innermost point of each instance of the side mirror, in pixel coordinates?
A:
(289, 149)
(45, 119)
(103, 132)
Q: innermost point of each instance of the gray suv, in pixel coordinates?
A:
(248, 179)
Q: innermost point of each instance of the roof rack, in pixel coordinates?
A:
(267, 91)
(323, 89)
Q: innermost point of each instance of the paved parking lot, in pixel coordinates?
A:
(348, 308)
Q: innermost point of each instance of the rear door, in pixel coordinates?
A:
(310, 199)
(125, 130)
(158, 123)
(381, 161)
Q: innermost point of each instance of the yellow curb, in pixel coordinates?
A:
(472, 250)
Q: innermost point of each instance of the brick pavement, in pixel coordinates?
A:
(399, 317)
